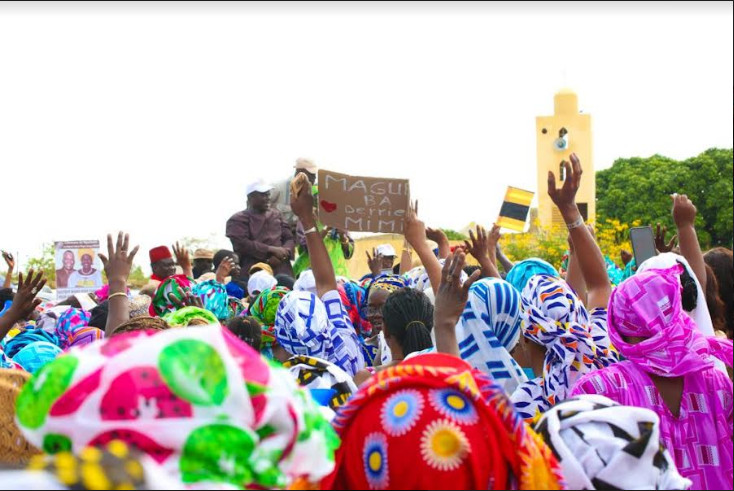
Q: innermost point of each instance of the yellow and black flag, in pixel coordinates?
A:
(515, 209)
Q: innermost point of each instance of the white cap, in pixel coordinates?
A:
(306, 164)
(386, 250)
(258, 186)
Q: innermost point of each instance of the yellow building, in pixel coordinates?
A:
(566, 132)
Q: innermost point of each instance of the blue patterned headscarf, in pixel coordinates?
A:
(489, 329)
(306, 325)
(35, 355)
(214, 297)
(13, 346)
(521, 272)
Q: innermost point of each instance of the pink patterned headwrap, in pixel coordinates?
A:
(648, 305)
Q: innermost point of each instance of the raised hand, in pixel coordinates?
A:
(452, 295)
(494, 238)
(374, 262)
(684, 211)
(118, 262)
(684, 216)
(565, 197)
(660, 244)
(25, 301)
(479, 245)
(183, 259)
(9, 260)
(414, 230)
(626, 256)
(117, 265)
(224, 269)
(483, 247)
(302, 201)
(438, 236)
(451, 299)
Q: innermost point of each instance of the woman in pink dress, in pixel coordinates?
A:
(669, 368)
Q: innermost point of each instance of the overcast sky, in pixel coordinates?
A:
(152, 118)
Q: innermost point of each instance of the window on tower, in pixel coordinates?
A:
(584, 210)
(561, 172)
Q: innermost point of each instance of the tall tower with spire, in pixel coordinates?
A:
(567, 131)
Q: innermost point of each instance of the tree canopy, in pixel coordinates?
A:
(640, 188)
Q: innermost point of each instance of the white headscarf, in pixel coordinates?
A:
(700, 314)
(600, 444)
(306, 282)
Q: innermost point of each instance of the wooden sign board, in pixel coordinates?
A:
(362, 204)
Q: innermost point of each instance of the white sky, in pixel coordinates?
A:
(152, 118)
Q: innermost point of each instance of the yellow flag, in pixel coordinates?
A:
(515, 209)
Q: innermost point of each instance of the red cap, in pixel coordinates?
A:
(158, 253)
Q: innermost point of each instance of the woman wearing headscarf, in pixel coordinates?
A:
(308, 325)
(318, 326)
(489, 330)
(669, 369)
(432, 422)
(198, 401)
(170, 295)
(264, 309)
(602, 445)
(377, 294)
(354, 298)
(562, 340)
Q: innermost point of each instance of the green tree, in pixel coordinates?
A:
(640, 188)
(453, 234)
(46, 262)
(137, 278)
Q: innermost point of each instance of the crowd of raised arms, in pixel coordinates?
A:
(266, 367)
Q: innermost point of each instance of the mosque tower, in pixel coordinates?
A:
(567, 131)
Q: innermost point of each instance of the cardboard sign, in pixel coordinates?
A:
(515, 209)
(362, 204)
(78, 268)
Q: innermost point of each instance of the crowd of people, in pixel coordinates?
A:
(267, 367)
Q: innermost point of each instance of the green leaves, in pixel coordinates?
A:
(640, 189)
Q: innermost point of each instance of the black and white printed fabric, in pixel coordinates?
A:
(329, 385)
(602, 445)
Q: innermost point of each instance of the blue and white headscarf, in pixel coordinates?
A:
(489, 328)
(307, 325)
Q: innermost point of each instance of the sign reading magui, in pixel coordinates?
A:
(362, 204)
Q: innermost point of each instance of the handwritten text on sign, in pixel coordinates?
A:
(362, 204)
